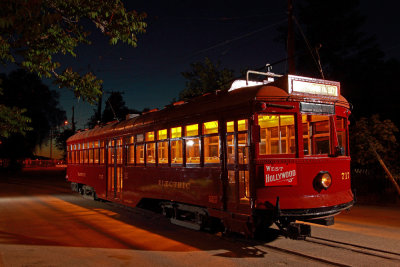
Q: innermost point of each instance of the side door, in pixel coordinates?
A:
(237, 161)
(114, 169)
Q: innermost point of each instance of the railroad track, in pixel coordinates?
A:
(380, 253)
(323, 251)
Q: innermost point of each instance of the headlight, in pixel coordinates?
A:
(322, 181)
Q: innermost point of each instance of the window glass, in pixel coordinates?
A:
(193, 150)
(243, 148)
(150, 153)
(162, 148)
(150, 136)
(110, 155)
(244, 188)
(139, 138)
(230, 128)
(211, 149)
(210, 127)
(102, 151)
(242, 125)
(176, 132)
(230, 148)
(176, 151)
(119, 154)
(316, 134)
(91, 156)
(140, 154)
(341, 132)
(129, 140)
(162, 134)
(85, 156)
(275, 134)
(96, 155)
(130, 154)
(192, 130)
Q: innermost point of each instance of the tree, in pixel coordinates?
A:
(61, 140)
(205, 78)
(374, 148)
(33, 32)
(115, 109)
(330, 33)
(25, 91)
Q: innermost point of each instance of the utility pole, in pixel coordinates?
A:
(73, 119)
(290, 39)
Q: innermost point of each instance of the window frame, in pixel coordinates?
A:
(296, 131)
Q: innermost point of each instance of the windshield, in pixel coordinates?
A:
(278, 135)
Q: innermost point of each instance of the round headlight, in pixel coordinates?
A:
(322, 181)
(326, 180)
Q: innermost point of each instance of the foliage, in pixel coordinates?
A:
(25, 92)
(205, 78)
(373, 133)
(34, 32)
(13, 120)
(347, 54)
(61, 140)
(115, 109)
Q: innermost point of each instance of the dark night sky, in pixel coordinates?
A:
(239, 35)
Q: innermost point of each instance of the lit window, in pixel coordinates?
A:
(176, 151)
(277, 134)
(150, 153)
(193, 150)
(192, 130)
(242, 125)
(230, 149)
(243, 148)
(230, 127)
(96, 155)
(176, 132)
(210, 127)
(90, 155)
(140, 154)
(211, 149)
(162, 148)
(162, 134)
(316, 137)
(130, 159)
(150, 136)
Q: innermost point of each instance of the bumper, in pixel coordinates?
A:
(315, 213)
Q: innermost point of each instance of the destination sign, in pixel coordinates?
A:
(280, 174)
(304, 85)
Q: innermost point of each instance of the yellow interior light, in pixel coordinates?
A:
(176, 132)
(150, 136)
(242, 125)
(162, 134)
(192, 130)
(210, 127)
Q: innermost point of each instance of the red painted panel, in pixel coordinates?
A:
(304, 195)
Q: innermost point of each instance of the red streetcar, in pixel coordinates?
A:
(259, 153)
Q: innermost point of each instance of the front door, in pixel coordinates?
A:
(114, 169)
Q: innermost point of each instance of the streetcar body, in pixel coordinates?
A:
(250, 156)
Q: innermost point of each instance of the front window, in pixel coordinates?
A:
(277, 134)
(316, 134)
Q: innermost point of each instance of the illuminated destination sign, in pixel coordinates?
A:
(304, 85)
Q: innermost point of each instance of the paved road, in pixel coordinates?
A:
(43, 224)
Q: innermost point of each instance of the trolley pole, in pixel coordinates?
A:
(290, 39)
